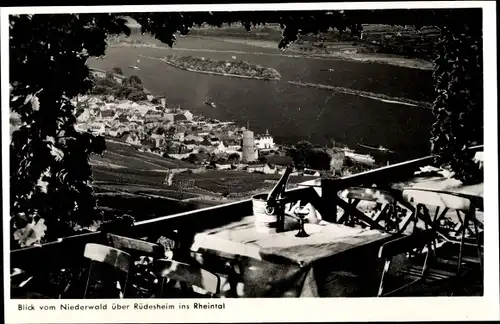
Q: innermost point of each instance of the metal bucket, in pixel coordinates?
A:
(264, 222)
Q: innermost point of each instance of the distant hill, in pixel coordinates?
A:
(376, 38)
(401, 40)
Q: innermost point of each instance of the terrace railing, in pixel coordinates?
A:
(68, 250)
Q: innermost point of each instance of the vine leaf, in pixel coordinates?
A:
(32, 233)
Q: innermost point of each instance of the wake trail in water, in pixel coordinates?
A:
(366, 94)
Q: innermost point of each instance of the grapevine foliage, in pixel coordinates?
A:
(458, 108)
(51, 179)
(49, 170)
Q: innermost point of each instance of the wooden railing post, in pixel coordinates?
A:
(328, 192)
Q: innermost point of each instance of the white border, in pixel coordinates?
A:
(310, 310)
(254, 7)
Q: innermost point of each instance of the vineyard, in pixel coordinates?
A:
(133, 182)
(127, 156)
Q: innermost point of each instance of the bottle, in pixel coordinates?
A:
(274, 205)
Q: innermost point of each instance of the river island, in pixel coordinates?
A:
(233, 67)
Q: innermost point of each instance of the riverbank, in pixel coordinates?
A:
(365, 94)
(234, 68)
(385, 44)
(344, 51)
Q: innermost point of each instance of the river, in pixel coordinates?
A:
(291, 112)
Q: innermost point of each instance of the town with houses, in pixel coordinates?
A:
(152, 126)
(177, 133)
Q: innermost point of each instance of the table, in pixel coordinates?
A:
(335, 260)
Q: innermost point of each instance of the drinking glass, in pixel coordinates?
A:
(301, 213)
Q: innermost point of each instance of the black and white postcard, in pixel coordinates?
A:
(250, 162)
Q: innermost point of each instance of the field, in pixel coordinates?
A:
(120, 155)
(132, 182)
(239, 183)
(141, 207)
(211, 182)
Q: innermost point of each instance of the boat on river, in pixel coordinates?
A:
(135, 67)
(209, 103)
(380, 148)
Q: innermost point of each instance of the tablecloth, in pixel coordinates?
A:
(335, 260)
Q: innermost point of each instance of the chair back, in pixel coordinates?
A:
(454, 232)
(406, 244)
(387, 216)
(217, 263)
(437, 199)
(108, 255)
(370, 194)
(117, 259)
(186, 273)
(135, 245)
(230, 271)
(443, 202)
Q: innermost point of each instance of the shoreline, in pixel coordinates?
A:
(340, 56)
(208, 72)
(348, 55)
(364, 94)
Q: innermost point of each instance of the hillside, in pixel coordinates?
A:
(405, 41)
(394, 45)
(132, 182)
(121, 156)
(396, 40)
